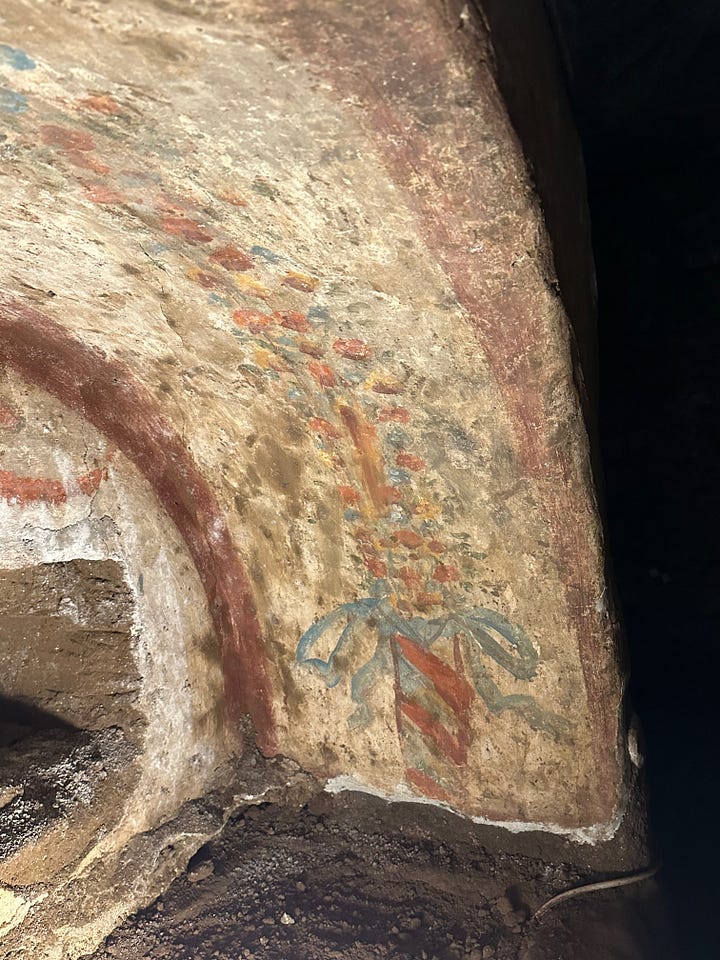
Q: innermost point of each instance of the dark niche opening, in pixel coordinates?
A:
(66, 646)
(69, 704)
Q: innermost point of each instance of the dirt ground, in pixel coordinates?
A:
(341, 877)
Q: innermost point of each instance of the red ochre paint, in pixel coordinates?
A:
(408, 538)
(426, 600)
(322, 373)
(432, 728)
(189, 230)
(86, 161)
(233, 198)
(311, 349)
(325, 427)
(9, 419)
(102, 103)
(99, 193)
(445, 573)
(507, 325)
(349, 495)
(410, 461)
(376, 566)
(426, 785)
(108, 395)
(66, 138)
(255, 321)
(206, 280)
(450, 685)
(301, 282)
(22, 491)
(387, 387)
(292, 320)
(394, 414)
(353, 349)
(232, 259)
(411, 578)
(368, 456)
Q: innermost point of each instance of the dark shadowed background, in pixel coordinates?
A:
(644, 82)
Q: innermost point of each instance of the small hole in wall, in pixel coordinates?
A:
(200, 857)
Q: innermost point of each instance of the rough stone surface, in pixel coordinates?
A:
(65, 643)
(50, 810)
(284, 354)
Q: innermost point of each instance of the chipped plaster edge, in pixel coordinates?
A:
(593, 834)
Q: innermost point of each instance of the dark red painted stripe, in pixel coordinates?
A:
(454, 689)
(435, 730)
(427, 785)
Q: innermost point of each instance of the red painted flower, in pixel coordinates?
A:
(349, 495)
(300, 281)
(409, 460)
(376, 566)
(387, 494)
(292, 320)
(322, 373)
(311, 349)
(102, 103)
(411, 578)
(9, 418)
(325, 427)
(99, 193)
(395, 414)
(231, 258)
(426, 601)
(255, 321)
(408, 538)
(189, 230)
(387, 387)
(65, 137)
(353, 349)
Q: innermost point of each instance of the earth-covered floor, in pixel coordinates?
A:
(347, 877)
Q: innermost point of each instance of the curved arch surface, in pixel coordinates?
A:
(292, 268)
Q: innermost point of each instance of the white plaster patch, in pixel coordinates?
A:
(14, 908)
(596, 833)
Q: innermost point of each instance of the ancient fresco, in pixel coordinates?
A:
(377, 543)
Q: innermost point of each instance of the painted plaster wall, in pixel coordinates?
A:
(283, 275)
(67, 494)
(157, 701)
(349, 404)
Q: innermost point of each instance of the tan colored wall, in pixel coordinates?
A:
(279, 275)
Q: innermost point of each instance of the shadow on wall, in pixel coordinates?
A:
(19, 719)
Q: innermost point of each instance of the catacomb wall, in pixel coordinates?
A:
(284, 354)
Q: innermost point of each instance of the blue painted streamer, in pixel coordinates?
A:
(17, 59)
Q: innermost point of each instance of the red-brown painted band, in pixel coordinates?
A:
(107, 394)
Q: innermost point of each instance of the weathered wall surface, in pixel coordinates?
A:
(281, 338)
